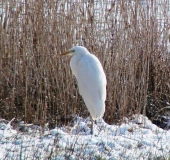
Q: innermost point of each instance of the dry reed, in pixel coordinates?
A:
(130, 39)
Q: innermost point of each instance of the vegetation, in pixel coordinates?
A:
(130, 39)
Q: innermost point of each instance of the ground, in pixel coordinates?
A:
(136, 138)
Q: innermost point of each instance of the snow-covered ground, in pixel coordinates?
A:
(137, 138)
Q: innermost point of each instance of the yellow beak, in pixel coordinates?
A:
(62, 54)
(65, 53)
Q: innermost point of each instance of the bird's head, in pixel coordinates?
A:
(76, 50)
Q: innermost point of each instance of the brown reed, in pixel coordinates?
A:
(130, 40)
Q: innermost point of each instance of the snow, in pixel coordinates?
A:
(136, 138)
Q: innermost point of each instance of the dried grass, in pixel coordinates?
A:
(130, 40)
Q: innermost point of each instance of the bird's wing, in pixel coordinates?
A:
(91, 78)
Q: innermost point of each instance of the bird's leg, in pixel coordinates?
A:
(92, 127)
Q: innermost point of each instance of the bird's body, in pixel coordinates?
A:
(91, 80)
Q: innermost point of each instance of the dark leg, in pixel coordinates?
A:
(92, 127)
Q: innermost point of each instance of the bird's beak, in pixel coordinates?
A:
(66, 53)
(62, 54)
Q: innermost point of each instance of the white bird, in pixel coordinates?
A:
(91, 79)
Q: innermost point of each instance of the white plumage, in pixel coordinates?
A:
(91, 79)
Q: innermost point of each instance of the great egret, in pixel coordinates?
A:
(91, 80)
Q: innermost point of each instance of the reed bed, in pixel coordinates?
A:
(130, 38)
